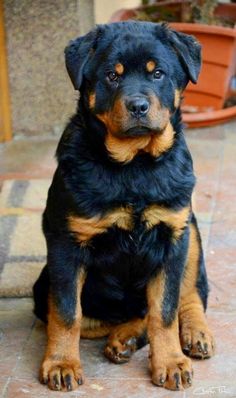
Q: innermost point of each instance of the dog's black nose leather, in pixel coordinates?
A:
(137, 106)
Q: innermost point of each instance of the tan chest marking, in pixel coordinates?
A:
(86, 228)
(176, 220)
(125, 149)
(159, 144)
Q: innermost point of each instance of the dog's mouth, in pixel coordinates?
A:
(139, 131)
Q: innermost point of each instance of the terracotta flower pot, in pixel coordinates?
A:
(173, 10)
(219, 62)
(176, 11)
(203, 103)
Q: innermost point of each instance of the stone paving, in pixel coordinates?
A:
(22, 337)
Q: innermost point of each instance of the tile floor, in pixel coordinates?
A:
(22, 338)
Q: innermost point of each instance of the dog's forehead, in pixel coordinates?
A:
(132, 45)
(133, 27)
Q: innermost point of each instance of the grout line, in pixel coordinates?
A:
(214, 201)
(17, 192)
(19, 356)
(5, 388)
(18, 211)
(25, 177)
(7, 227)
(26, 259)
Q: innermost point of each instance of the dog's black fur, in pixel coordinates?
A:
(90, 182)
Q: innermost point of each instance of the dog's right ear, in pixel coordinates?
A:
(77, 53)
(188, 50)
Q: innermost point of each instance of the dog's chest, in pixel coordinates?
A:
(135, 200)
(127, 219)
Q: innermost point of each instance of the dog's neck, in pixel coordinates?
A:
(125, 150)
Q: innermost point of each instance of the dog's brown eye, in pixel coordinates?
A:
(158, 74)
(112, 76)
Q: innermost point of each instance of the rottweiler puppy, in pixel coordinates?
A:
(124, 252)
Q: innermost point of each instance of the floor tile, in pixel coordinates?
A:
(130, 379)
(23, 340)
(31, 157)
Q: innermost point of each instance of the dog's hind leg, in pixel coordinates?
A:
(195, 336)
(94, 328)
(40, 293)
(125, 339)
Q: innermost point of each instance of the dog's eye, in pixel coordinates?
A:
(112, 76)
(158, 74)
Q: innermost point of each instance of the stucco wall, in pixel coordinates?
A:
(42, 97)
(104, 9)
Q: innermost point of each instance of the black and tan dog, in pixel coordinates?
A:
(124, 251)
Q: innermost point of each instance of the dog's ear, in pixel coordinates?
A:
(77, 53)
(188, 50)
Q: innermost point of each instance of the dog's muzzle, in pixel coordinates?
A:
(137, 106)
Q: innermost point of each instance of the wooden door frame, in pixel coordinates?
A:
(5, 112)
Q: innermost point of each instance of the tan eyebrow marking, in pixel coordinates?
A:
(150, 65)
(119, 68)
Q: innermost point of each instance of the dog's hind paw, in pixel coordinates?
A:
(197, 342)
(119, 352)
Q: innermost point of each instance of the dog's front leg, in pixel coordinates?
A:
(61, 367)
(170, 368)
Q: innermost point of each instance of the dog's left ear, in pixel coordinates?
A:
(77, 53)
(188, 50)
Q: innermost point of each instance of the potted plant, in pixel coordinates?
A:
(205, 102)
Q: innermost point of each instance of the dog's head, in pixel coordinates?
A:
(131, 75)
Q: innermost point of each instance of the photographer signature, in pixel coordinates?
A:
(211, 390)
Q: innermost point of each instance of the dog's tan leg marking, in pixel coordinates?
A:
(170, 368)
(61, 368)
(196, 337)
(123, 340)
(94, 328)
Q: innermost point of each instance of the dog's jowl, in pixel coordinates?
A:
(124, 251)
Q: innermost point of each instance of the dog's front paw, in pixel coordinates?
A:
(174, 373)
(61, 375)
(197, 341)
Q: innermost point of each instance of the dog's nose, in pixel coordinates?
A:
(137, 106)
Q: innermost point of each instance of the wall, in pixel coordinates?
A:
(104, 9)
(42, 96)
